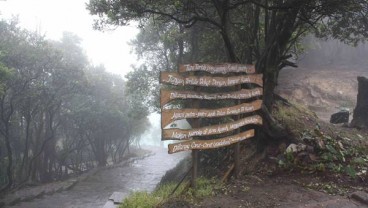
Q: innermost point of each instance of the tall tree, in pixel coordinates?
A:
(267, 28)
(57, 112)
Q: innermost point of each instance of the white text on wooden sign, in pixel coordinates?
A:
(185, 134)
(209, 144)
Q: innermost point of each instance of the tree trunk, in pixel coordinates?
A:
(360, 115)
(269, 88)
(5, 132)
(9, 169)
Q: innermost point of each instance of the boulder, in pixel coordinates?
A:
(293, 148)
(360, 115)
(340, 117)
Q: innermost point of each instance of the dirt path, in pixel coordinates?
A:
(282, 191)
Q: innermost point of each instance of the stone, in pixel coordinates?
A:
(340, 117)
(117, 197)
(360, 196)
(291, 148)
(110, 204)
(296, 148)
(360, 114)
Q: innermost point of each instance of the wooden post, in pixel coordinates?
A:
(195, 159)
(237, 159)
(237, 147)
(193, 183)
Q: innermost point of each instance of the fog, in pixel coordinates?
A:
(152, 136)
(325, 80)
(318, 52)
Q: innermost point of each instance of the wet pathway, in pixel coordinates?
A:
(95, 190)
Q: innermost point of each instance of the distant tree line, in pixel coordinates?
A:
(58, 113)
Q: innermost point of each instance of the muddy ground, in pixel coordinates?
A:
(285, 190)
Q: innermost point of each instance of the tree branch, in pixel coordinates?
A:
(183, 21)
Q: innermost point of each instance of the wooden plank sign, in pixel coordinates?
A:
(168, 116)
(218, 68)
(179, 134)
(208, 81)
(169, 95)
(209, 144)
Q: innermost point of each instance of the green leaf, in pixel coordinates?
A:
(359, 161)
(350, 171)
(331, 149)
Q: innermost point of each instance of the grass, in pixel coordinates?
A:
(205, 188)
(295, 117)
(141, 200)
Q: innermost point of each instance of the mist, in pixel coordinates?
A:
(332, 53)
(326, 77)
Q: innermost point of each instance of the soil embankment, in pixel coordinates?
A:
(325, 90)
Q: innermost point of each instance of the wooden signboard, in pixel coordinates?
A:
(209, 144)
(208, 81)
(225, 78)
(168, 116)
(169, 95)
(218, 68)
(185, 134)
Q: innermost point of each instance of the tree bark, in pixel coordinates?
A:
(5, 120)
(9, 169)
(360, 115)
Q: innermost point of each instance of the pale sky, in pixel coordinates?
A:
(52, 17)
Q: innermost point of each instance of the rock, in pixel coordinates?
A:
(360, 196)
(360, 115)
(109, 204)
(117, 197)
(340, 117)
(296, 148)
(291, 148)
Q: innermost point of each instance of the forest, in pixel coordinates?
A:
(59, 114)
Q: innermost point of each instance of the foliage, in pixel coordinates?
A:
(205, 188)
(344, 25)
(59, 115)
(321, 150)
(341, 157)
(265, 32)
(142, 90)
(5, 73)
